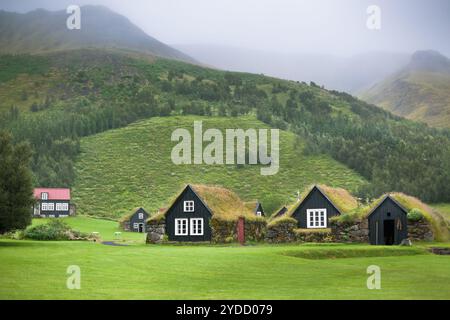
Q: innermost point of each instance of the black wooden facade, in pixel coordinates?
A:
(388, 224)
(315, 200)
(177, 214)
(137, 221)
(52, 208)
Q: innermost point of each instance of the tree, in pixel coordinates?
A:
(16, 191)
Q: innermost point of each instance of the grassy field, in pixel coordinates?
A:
(106, 228)
(125, 168)
(37, 270)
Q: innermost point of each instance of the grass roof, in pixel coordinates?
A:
(343, 200)
(222, 202)
(128, 216)
(436, 220)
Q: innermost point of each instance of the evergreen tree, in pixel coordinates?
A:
(16, 192)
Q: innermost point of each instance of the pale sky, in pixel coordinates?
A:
(290, 26)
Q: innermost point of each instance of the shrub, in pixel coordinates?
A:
(53, 230)
(415, 215)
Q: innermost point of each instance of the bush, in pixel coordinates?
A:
(54, 230)
(415, 215)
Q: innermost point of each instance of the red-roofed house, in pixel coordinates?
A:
(52, 202)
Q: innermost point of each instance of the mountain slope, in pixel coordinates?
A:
(43, 31)
(350, 74)
(420, 91)
(128, 167)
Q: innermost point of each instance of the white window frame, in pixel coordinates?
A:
(136, 225)
(312, 214)
(188, 206)
(258, 213)
(179, 231)
(197, 224)
(44, 195)
(62, 206)
(47, 206)
(140, 215)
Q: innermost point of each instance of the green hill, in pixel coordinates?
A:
(54, 99)
(421, 91)
(42, 31)
(124, 168)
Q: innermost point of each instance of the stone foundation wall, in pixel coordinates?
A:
(347, 232)
(420, 231)
(156, 232)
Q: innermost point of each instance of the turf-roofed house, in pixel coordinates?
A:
(188, 218)
(256, 207)
(319, 204)
(52, 203)
(135, 220)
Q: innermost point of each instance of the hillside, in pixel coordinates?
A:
(54, 99)
(41, 31)
(420, 91)
(124, 168)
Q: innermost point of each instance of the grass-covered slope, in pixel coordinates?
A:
(129, 167)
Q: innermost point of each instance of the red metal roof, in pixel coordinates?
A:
(53, 193)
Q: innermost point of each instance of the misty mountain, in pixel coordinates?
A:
(351, 74)
(420, 91)
(41, 31)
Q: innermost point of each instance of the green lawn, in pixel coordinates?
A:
(37, 270)
(121, 169)
(106, 228)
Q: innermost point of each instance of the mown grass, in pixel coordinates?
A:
(106, 229)
(125, 168)
(37, 270)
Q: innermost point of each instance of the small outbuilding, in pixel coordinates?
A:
(280, 212)
(256, 207)
(388, 222)
(319, 204)
(135, 220)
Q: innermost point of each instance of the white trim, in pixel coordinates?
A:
(316, 218)
(44, 195)
(62, 206)
(181, 227)
(188, 206)
(258, 214)
(140, 215)
(196, 226)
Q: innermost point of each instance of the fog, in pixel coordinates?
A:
(284, 26)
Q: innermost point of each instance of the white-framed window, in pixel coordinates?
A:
(141, 215)
(44, 195)
(316, 218)
(135, 225)
(181, 227)
(48, 206)
(197, 227)
(188, 206)
(62, 206)
(258, 214)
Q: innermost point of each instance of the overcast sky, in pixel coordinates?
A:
(316, 26)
